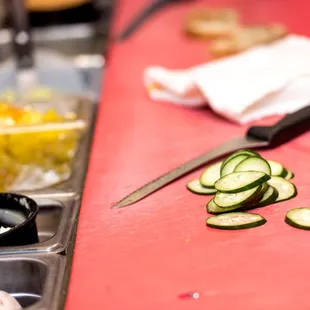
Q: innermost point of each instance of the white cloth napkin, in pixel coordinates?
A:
(267, 80)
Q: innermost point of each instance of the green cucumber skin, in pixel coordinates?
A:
(290, 175)
(240, 157)
(258, 182)
(202, 177)
(258, 204)
(261, 222)
(260, 194)
(228, 159)
(271, 199)
(272, 163)
(246, 152)
(237, 208)
(254, 153)
(249, 199)
(284, 173)
(289, 197)
(211, 191)
(292, 223)
(255, 198)
(220, 210)
(201, 194)
(250, 205)
(238, 227)
(260, 159)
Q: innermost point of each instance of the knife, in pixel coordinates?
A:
(256, 137)
(150, 9)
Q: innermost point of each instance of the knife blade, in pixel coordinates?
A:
(256, 137)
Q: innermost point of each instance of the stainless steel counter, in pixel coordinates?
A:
(38, 274)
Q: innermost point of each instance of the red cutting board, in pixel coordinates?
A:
(142, 257)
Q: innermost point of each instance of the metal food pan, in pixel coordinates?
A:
(34, 280)
(55, 222)
(73, 186)
(43, 98)
(32, 179)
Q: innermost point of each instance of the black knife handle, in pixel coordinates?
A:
(21, 36)
(141, 17)
(283, 128)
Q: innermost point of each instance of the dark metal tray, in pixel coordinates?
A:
(37, 275)
(34, 280)
(55, 223)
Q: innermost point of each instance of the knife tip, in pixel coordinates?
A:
(129, 200)
(116, 206)
(120, 204)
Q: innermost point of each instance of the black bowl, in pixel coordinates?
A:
(19, 213)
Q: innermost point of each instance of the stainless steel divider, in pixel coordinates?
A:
(37, 275)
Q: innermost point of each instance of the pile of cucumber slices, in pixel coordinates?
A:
(242, 182)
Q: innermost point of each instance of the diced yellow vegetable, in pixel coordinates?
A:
(50, 150)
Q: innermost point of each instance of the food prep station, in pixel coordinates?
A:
(171, 260)
(37, 274)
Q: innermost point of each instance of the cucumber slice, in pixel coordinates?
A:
(235, 220)
(290, 175)
(240, 181)
(213, 208)
(260, 194)
(225, 200)
(195, 187)
(254, 164)
(286, 189)
(269, 197)
(230, 166)
(276, 168)
(245, 152)
(211, 175)
(298, 218)
(249, 152)
(255, 201)
(241, 152)
(284, 173)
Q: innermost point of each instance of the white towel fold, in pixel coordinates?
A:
(263, 81)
